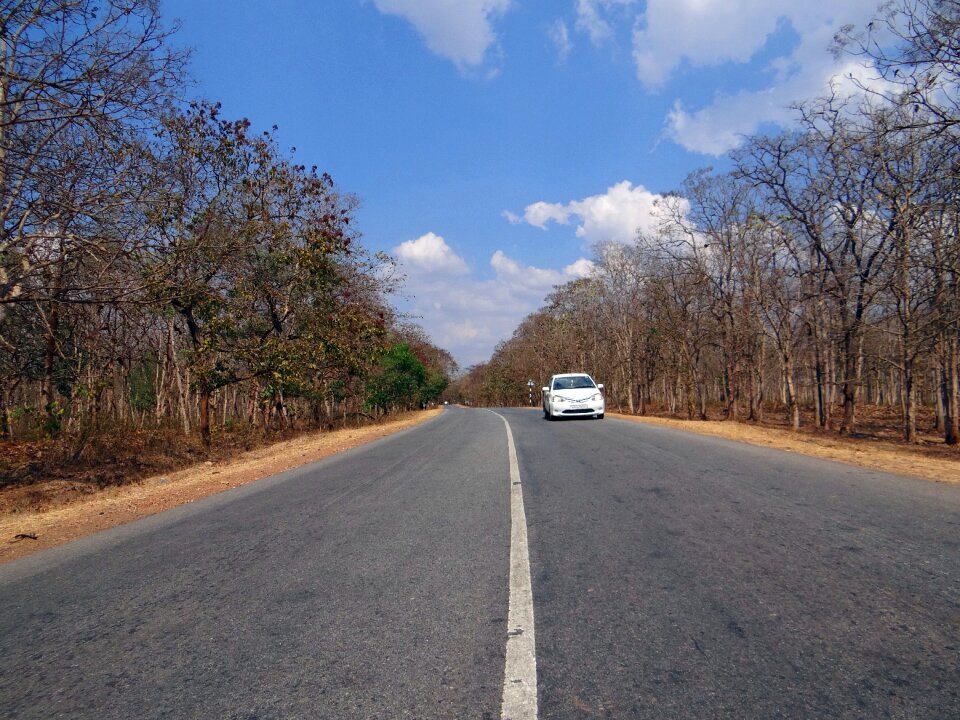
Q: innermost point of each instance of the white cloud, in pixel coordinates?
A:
(430, 253)
(701, 34)
(462, 332)
(722, 125)
(616, 215)
(540, 213)
(459, 30)
(579, 269)
(533, 279)
(591, 18)
(719, 127)
(560, 36)
(469, 317)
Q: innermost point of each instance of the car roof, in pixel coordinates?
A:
(571, 375)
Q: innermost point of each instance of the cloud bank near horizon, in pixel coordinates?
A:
(468, 316)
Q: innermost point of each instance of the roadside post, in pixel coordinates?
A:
(530, 390)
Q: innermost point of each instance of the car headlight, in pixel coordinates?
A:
(559, 399)
(594, 398)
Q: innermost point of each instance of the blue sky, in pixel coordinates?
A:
(492, 143)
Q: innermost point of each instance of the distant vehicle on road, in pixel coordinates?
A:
(572, 395)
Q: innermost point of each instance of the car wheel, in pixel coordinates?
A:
(600, 416)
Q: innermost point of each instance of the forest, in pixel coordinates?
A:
(819, 272)
(174, 281)
(169, 275)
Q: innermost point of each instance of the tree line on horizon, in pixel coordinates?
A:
(822, 271)
(162, 266)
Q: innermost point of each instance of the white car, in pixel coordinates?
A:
(572, 395)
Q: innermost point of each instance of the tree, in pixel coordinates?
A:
(620, 279)
(781, 304)
(254, 254)
(915, 47)
(710, 233)
(400, 382)
(78, 81)
(820, 181)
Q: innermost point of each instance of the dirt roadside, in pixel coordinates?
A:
(24, 533)
(27, 532)
(940, 465)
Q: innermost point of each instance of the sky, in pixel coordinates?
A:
(492, 144)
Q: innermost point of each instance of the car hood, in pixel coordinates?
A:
(579, 394)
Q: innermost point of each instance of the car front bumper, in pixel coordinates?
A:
(584, 409)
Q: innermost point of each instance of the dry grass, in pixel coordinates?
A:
(111, 457)
(875, 446)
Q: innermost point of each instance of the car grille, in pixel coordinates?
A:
(579, 411)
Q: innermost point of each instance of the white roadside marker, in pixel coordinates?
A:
(520, 672)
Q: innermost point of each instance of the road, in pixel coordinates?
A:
(673, 576)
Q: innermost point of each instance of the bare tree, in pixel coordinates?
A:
(73, 74)
(915, 47)
(621, 280)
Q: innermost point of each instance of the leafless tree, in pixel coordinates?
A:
(78, 81)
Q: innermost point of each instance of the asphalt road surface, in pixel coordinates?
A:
(673, 576)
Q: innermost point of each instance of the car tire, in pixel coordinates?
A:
(600, 416)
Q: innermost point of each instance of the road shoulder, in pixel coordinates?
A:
(25, 533)
(886, 457)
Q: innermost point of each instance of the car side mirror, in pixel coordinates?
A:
(544, 389)
(599, 386)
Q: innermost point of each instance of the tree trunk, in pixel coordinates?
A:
(756, 383)
(851, 362)
(183, 389)
(627, 380)
(793, 407)
(821, 416)
(203, 398)
(281, 410)
(701, 396)
(160, 383)
(731, 391)
(819, 397)
(47, 394)
(909, 406)
(6, 426)
(950, 389)
(941, 410)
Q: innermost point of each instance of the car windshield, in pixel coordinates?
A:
(577, 382)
